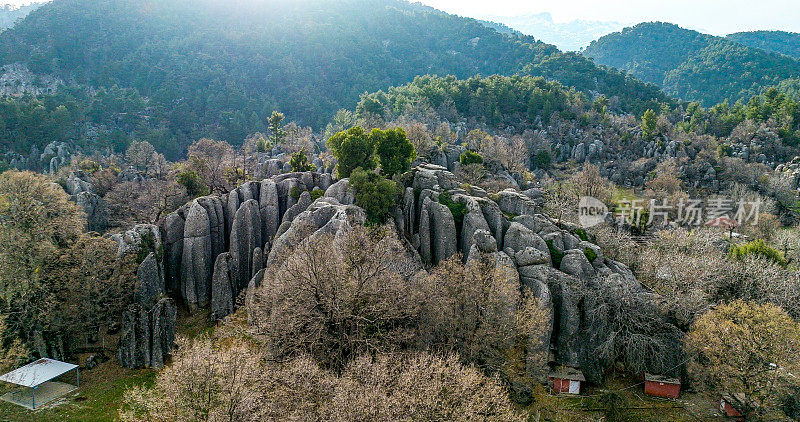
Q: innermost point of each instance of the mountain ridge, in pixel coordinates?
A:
(691, 65)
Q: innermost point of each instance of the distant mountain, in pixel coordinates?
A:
(10, 14)
(567, 36)
(780, 42)
(216, 69)
(690, 65)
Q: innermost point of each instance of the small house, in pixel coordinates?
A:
(567, 380)
(732, 405)
(660, 386)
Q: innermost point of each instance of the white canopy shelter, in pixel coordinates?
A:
(37, 378)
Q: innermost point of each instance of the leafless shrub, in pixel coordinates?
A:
(147, 201)
(335, 298)
(478, 311)
(626, 325)
(213, 382)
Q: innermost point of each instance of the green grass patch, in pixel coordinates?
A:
(555, 254)
(591, 255)
(458, 209)
(316, 194)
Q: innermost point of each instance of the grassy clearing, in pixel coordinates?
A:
(635, 405)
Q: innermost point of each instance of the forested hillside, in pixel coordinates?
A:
(690, 65)
(207, 68)
(780, 42)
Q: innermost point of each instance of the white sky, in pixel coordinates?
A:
(717, 17)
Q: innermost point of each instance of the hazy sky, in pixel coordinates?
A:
(717, 17)
(712, 16)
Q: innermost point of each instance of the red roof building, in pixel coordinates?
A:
(567, 380)
(656, 385)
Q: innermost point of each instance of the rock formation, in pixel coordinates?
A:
(548, 259)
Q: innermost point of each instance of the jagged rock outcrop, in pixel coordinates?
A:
(516, 203)
(196, 261)
(510, 228)
(134, 343)
(140, 240)
(150, 282)
(95, 208)
(78, 182)
(244, 224)
(325, 216)
(443, 232)
(245, 238)
(473, 221)
(173, 250)
(223, 289)
(148, 335)
(257, 261)
(163, 318)
(268, 205)
(341, 192)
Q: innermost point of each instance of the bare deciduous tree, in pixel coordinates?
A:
(212, 381)
(213, 161)
(146, 201)
(337, 297)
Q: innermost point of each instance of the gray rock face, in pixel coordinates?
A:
(600, 259)
(163, 316)
(147, 336)
(268, 205)
(561, 293)
(425, 248)
(494, 218)
(325, 216)
(575, 263)
(216, 223)
(138, 240)
(230, 211)
(274, 168)
(245, 237)
(512, 202)
(77, 183)
(531, 256)
(173, 251)
(537, 223)
(563, 241)
(443, 232)
(196, 262)
(408, 224)
(341, 192)
(223, 290)
(484, 241)
(285, 190)
(95, 208)
(473, 221)
(519, 237)
(525, 252)
(150, 282)
(424, 179)
(258, 260)
(134, 350)
(302, 204)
